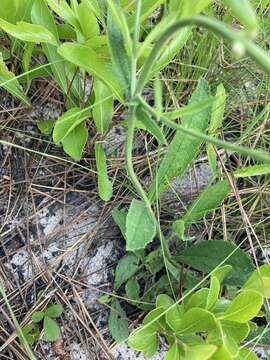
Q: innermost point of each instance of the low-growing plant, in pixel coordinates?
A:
(206, 323)
(50, 327)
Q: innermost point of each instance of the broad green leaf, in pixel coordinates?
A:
(125, 269)
(120, 217)
(28, 32)
(46, 126)
(213, 293)
(221, 306)
(143, 338)
(10, 83)
(222, 354)
(237, 331)
(254, 170)
(121, 62)
(42, 15)
(150, 125)
(173, 317)
(207, 255)
(198, 299)
(196, 320)
(154, 317)
(103, 106)
(118, 324)
(62, 9)
(54, 311)
(260, 281)
(244, 307)
(247, 17)
(67, 122)
(105, 189)
(96, 7)
(87, 59)
(75, 141)
(183, 149)
(132, 289)
(221, 272)
(8, 11)
(221, 338)
(88, 20)
(217, 115)
(51, 329)
(173, 353)
(140, 226)
(210, 199)
(200, 352)
(246, 354)
(37, 316)
(164, 301)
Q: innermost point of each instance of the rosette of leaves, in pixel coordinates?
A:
(205, 324)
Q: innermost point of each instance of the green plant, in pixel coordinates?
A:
(49, 325)
(205, 324)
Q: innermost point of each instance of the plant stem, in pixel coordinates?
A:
(256, 53)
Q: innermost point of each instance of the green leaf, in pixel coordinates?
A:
(154, 317)
(103, 106)
(237, 331)
(42, 15)
(173, 353)
(88, 20)
(150, 125)
(260, 281)
(198, 299)
(37, 316)
(46, 126)
(213, 293)
(118, 324)
(75, 141)
(246, 354)
(121, 62)
(164, 301)
(221, 272)
(54, 311)
(120, 217)
(105, 189)
(10, 83)
(51, 329)
(207, 255)
(210, 199)
(200, 352)
(196, 320)
(125, 269)
(215, 124)
(62, 9)
(87, 59)
(143, 338)
(183, 149)
(140, 226)
(173, 317)
(28, 32)
(222, 354)
(67, 122)
(244, 307)
(132, 289)
(254, 170)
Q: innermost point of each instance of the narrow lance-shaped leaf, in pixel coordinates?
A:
(140, 226)
(10, 83)
(215, 125)
(88, 21)
(121, 63)
(150, 125)
(103, 106)
(183, 149)
(104, 184)
(62, 9)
